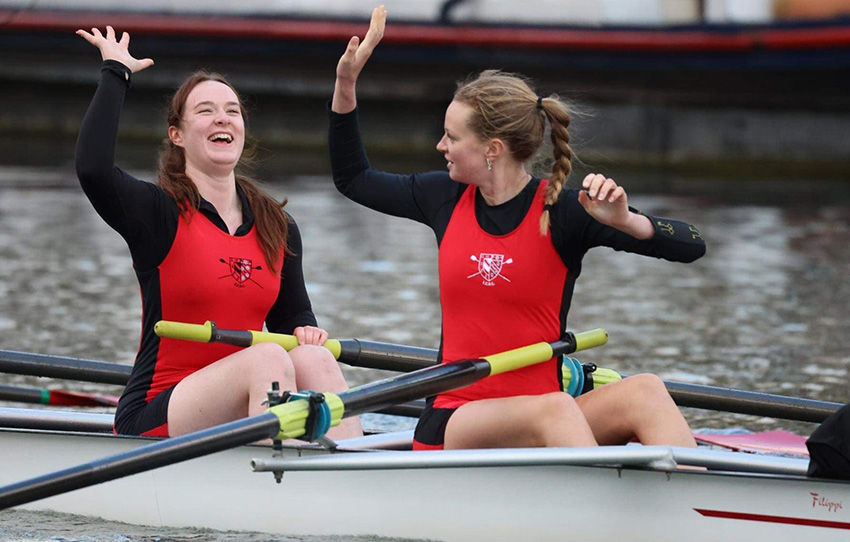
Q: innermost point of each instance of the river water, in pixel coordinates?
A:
(764, 310)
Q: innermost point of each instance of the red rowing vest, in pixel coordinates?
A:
(499, 292)
(210, 275)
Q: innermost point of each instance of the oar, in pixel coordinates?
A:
(289, 420)
(405, 358)
(376, 355)
(84, 370)
(373, 355)
(42, 396)
(392, 357)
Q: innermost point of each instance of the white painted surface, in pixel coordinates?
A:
(453, 504)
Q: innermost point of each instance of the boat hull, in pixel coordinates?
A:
(517, 498)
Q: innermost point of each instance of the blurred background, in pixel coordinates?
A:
(732, 115)
(738, 87)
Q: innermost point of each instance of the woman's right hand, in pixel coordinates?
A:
(352, 61)
(112, 49)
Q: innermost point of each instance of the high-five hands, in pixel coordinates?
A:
(113, 49)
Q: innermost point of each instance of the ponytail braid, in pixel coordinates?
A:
(505, 105)
(559, 120)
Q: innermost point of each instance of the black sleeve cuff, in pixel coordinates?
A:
(334, 115)
(678, 237)
(119, 69)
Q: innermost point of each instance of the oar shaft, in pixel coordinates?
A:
(41, 396)
(392, 357)
(144, 458)
(23, 363)
(413, 385)
(448, 376)
(385, 356)
(746, 402)
(374, 355)
(19, 394)
(411, 409)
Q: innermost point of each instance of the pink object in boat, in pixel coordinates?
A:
(778, 441)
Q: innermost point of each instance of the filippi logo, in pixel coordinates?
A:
(819, 501)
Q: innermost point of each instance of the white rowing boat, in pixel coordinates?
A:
(363, 488)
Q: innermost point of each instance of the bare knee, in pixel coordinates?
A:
(647, 388)
(316, 366)
(558, 406)
(555, 410)
(314, 353)
(268, 350)
(317, 359)
(270, 360)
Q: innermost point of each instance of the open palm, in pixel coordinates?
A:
(113, 49)
(356, 54)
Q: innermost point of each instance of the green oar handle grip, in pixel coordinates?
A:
(186, 332)
(289, 341)
(591, 339)
(540, 352)
(210, 333)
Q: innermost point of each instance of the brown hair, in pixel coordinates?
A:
(269, 219)
(505, 106)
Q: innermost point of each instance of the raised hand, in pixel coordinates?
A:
(356, 54)
(608, 204)
(310, 335)
(604, 200)
(353, 59)
(113, 49)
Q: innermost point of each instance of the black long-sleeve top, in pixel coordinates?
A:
(147, 217)
(430, 198)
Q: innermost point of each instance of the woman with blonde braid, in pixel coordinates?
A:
(510, 250)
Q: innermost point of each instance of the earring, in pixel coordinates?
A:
(489, 165)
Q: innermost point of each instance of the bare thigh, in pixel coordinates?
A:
(636, 407)
(231, 388)
(317, 370)
(524, 421)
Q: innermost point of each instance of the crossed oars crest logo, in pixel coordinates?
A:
(241, 270)
(490, 267)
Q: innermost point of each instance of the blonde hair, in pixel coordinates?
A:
(505, 106)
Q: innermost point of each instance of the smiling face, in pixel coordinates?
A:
(211, 131)
(464, 151)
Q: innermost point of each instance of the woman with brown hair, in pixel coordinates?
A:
(510, 250)
(207, 244)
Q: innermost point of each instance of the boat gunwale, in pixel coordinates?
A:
(656, 458)
(662, 459)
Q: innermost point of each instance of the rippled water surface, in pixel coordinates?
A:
(764, 310)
